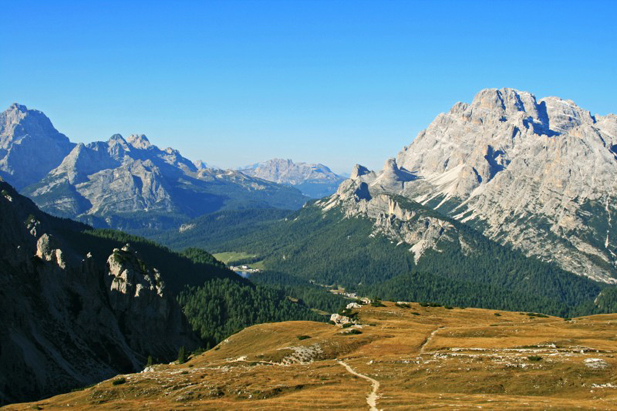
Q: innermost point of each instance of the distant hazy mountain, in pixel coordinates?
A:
(539, 175)
(128, 184)
(30, 146)
(314, 180)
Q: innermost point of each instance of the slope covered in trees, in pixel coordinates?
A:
(216, 301)
(330, 249)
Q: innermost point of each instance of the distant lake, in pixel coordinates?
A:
(243, 274)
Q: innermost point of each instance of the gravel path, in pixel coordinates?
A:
(371, 400)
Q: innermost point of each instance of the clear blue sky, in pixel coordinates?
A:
(337, 82)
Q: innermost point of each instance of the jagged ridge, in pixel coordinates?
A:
(122, 183)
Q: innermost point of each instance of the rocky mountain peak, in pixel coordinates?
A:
(116, 139)
(525, 171)
(30, 146)
(565, 115)
(549, 115)
(17, 107)
(139, 141)
(504, 100)
(282, 161)
(358, 170)
(19, 122)
(200, 165)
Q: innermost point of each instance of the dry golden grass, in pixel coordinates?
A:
(439, 359)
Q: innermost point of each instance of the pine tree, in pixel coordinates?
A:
(181, 355)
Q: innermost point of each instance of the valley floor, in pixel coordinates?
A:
(398, 358)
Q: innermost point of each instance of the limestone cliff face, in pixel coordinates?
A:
(150, 319)
(539, 175)
(62, 325)
(30, 146)
(395, 217)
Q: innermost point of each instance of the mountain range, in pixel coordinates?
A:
(504, 203)
(314, 180)
(122, 183)
(535, 177)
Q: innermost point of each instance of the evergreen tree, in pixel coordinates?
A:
(181, 355)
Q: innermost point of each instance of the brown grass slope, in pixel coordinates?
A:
(421, 357)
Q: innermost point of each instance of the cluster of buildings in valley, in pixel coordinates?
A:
(244, 270)
(343, 293)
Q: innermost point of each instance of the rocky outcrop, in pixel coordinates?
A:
(47, 249)
(151, 320)
(314, 180)
(538, 175)
(341, 320)
(62, 325)
(396, 218)
(359, 171)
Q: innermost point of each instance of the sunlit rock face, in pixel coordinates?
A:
(124, 183)
(539, 175)
(30, 146)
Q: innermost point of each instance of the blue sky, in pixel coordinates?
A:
(337, 82)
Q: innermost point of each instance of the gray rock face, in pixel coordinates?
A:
(314, 180)
(117, 176)
(359, 171)
(402, 225)
(62, 325)
(539, 175)
(153, 319)
(30, 146)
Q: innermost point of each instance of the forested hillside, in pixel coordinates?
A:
(313, 246)
(208, 232)
(216, 301)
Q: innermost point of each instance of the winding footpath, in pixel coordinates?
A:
(371, 400)
(429, 338)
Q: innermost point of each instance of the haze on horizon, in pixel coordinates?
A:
(238, 82)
